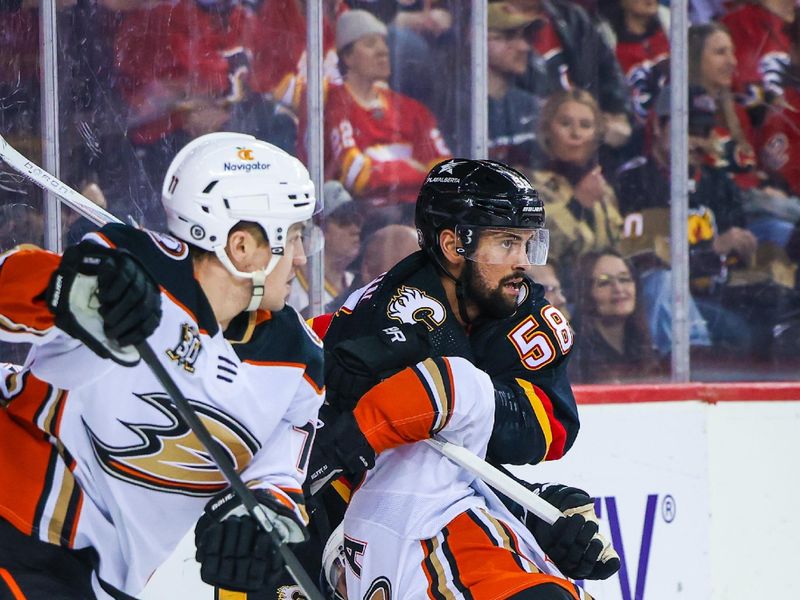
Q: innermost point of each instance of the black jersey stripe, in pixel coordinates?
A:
(451, 560)
(71, 518)
(516, 553)
(434, 575)
(448, 398)
(431, 398)
(46, 488)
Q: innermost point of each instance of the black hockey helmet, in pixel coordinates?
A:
(461, 192)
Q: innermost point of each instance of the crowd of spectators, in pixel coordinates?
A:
(578, 100)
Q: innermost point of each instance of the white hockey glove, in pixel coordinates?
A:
(106, 299)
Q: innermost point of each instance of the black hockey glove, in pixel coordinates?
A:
(339, 449)
(106, 299)
(573, 542)
(234, 552)
(353, 367)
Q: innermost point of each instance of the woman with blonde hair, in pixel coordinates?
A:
(582, 212)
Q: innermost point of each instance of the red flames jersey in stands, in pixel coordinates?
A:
(170, 52)
(779, 144)
(644, 65)
(762, 50)
(93, 454)
(382, 152)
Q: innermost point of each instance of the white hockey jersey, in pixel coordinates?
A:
(400, 519)
(94, 454)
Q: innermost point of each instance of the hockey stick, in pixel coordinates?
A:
(75, 200)
(495, 478)
(99, 216)
(225, 465)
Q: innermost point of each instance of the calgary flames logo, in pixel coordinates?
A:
(169, 457)
(410, 305)
(245, 154)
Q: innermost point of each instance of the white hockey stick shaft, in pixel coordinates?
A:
(498, 480)
(48, 182)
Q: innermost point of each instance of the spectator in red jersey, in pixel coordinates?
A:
(425, 39)
(712, 66)
(779, 137)
(186, 69)
(279, 63)
(512, 110)
(762, 48)
(642, 49)
(381, 143)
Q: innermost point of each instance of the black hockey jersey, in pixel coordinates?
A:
(536, 417)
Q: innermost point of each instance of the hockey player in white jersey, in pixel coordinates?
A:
(99, 477)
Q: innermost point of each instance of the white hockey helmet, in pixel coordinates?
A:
(333, 564)
(221, 179)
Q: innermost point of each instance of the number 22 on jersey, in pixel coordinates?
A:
(534, 345)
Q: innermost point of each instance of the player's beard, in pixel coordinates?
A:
(492, 303)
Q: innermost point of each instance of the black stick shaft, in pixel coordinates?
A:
(226, 466)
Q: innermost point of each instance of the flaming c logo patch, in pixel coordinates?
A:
(169, 458)
(245, 154)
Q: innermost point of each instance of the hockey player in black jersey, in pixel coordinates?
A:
(466, 294)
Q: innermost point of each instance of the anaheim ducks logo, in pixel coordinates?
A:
(381, 589)
(170, 246)
(170, 458)
(410, 305)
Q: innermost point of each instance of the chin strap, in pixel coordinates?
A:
(257, 277)
(460, 296)
(462, 303)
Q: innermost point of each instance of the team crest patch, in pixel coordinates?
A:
(411, 305)
(188, 348)
(169, 245)
(380, 589)
(168, 457)
(291, 592)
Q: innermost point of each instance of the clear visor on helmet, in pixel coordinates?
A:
(304, 239)
(503, 245)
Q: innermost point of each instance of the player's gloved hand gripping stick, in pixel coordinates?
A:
(94, 280)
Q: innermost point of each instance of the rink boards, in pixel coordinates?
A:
(696, 485)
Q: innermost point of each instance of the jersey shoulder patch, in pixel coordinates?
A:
(169, 262)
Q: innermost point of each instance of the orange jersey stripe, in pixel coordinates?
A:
(478, 564)
(25, 471)
(24, 276)
(12, 585)
(387, 423)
